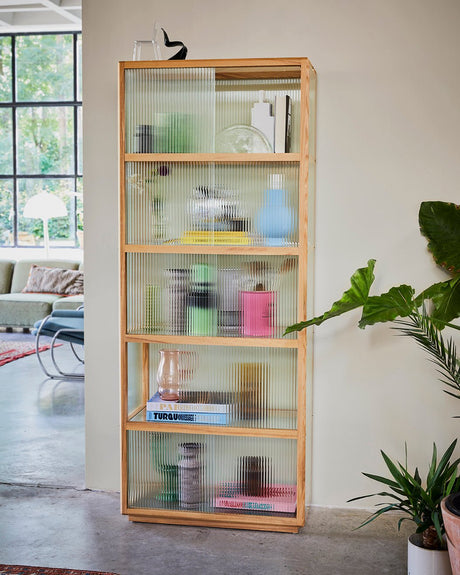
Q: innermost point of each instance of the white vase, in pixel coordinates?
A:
(421, 561)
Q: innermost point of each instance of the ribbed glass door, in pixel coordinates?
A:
(212, 473)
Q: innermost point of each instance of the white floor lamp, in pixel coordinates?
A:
(45, 206)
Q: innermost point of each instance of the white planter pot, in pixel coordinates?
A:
(422, 561)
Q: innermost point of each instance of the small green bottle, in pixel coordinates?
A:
(202, 302)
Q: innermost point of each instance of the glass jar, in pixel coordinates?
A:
(168, 374)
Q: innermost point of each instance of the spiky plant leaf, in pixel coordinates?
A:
(421, 504)
(443, 353)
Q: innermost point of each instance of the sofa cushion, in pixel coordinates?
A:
(24, 309)
(6, 273)
(69, 302)
(54, 280)
(22, 269)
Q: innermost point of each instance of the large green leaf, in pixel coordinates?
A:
(446, 301)
(447, 304)
(440, 224)
(353, 298)
(397, 302)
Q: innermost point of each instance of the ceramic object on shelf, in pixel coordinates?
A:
(275, 220)
(257, 310)
(240, 139)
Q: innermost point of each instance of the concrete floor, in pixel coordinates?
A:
(47, 517)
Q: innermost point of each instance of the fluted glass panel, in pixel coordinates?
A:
(169, 110)
(216, 385)
(212, 204)
(134, 371)
(188, 110)
(209, 295)
(235, 100)
(250, 475)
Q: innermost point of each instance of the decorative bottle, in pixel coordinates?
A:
(275, 220)
(202, 302)
(177, 298)
(190, 475)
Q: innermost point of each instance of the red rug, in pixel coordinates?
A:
(11, 350)
(23, 570)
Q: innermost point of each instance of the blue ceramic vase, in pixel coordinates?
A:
(275, 220)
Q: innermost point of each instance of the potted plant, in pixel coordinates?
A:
(421, 317)
(421, 502)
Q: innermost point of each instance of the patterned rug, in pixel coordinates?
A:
(13, 346)
(23, 570)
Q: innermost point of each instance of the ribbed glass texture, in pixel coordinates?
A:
(187, 110)
(211, 295)
(212, 204)
(250, 475)
(255, 387)
(134, 367)
(169, 110)
(235, 101)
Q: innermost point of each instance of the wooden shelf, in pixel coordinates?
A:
(224, 520)
(211, 250)
(212, 158)
(191, 428)
(205, 340)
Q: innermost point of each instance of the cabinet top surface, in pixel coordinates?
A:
(276, 64)
(216, 62)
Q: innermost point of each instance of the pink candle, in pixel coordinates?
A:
(257, 310)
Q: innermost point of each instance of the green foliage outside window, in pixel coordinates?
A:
(44, 67)
(47, 135)
(5, 69)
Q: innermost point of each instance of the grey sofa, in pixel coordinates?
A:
(22, 310)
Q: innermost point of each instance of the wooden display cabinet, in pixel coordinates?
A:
(213, 252)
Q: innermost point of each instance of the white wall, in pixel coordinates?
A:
(388, 138)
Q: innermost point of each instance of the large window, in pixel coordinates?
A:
(40, 135)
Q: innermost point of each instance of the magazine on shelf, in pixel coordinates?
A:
(278, 498)
(193, 401)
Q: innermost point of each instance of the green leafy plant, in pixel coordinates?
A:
(440, 224)
(420, 500)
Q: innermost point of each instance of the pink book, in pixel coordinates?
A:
(279, 498)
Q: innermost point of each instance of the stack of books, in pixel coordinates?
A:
(278, 497)
(212, 408)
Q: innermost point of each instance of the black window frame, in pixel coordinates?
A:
(14, 105)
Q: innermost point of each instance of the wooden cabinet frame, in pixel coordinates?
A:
(259, 68)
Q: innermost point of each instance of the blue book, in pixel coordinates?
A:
(187, 417)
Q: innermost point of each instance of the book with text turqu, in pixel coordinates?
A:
(187, 417)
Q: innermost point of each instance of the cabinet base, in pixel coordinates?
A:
(227, 524)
